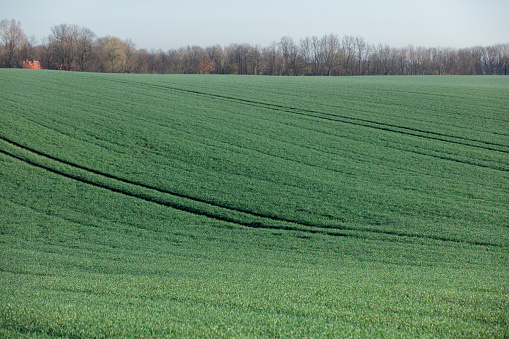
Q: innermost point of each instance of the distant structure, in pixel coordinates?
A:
(31, 64)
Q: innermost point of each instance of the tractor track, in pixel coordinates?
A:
(263, 221)
(485, 145)
(180, 207)
(157, 189)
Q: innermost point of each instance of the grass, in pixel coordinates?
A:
(167, 206)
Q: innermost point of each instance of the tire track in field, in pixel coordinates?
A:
(483, 145)
(181, 207)
(486, 145)
(289, 225)
(479, 144)
(177, 206)
(380, 126)
(109, 176)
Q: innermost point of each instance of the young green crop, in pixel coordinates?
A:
(162, 206)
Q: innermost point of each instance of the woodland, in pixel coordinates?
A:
(71, 47)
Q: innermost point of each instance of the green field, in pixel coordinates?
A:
(232, 206)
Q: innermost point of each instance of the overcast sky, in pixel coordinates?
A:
(171, 24)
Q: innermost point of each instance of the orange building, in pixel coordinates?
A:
(31, 64)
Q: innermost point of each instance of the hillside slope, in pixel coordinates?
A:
(254, 206)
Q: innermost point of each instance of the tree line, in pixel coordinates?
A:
(75, 48)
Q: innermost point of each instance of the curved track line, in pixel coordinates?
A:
(157, 189)
(316, 229)
(355, 121)
(127, 193)
(343, 118)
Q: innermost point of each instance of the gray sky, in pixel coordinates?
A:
(171, 24)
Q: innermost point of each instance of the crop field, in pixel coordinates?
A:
(237, 206)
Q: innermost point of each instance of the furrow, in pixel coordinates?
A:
(181, 207)
(441, 157)
(491, 146)
(127, 193)
(157, 189)
(289, 225)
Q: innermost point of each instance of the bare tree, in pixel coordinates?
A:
(503, 65)
(155, 61)
(130, 53)
(360, 48)
(330, 46)
(26, 49)
(141, 61)
(288, 50)
(306, 50)
(293, 61)
(239, 57)
(205, 63)
(175, 61)
(45, 55)
(349, 54)
(318, 60)
(218, 55)
(64, 44)
(13, 38)
(272, 60)
(255, 57)
(499, 58)
(85, 39)
(382, 60)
